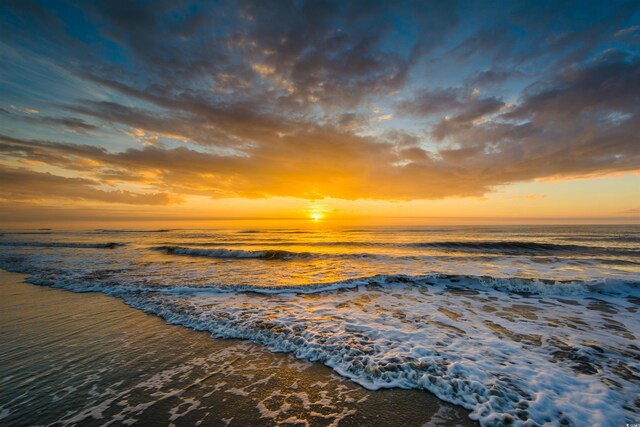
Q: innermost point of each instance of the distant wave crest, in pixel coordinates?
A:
(131, 231)
(520, 247)
(106, 245)
(231, 253)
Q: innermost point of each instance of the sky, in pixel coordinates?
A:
(441, 111)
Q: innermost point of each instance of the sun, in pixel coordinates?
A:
(316, 212)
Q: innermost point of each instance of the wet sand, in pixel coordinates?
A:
(89, 359)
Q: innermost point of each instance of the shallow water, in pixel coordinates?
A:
(517, 324)
(87, 359)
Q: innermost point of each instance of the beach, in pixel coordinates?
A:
(512, 325)
(88, 359)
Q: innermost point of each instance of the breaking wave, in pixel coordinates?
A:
(444, 333)
(231, 253)
(516, 285)
(487, 247)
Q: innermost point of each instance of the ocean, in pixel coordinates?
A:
(521, 325)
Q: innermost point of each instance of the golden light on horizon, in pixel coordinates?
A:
(316, 216)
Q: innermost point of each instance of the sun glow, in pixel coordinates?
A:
(316, 216)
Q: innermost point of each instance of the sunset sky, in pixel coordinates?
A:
(446, 111)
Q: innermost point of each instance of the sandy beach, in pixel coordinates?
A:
(88, 359)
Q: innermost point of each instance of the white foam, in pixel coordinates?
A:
(504, 284)
(489, 361)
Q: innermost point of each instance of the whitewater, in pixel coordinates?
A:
(520, 325)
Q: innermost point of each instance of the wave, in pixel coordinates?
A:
(515, 285)
(234, 254)
(107, 245)
(26, 232)
(116, 231)
(520, 247)
(275, 242)
(497, 245)
(284, 255)
(618, 287)
(503, 374)
(598, 238)
(489, 247)
(275, 231)
(428, 332)
(481, 365)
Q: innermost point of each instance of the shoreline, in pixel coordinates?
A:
(88, 357)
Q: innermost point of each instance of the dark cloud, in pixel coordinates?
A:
(475, 109)
(587, 120)
(189, 118)
(602, 89)
(296, 53)
(542, 36)
(433, 102)
(455, 108)
(73, 124)
(492, 78)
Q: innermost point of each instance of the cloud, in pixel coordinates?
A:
(432, 102)
(262, 99)
(586, 120)
(20, 184)
(383, 117)
(626, 31)
(73, 124)
(454, 107)
(582, 122)
(23, 110)
(308, 164)
(492, 78)
(605, 86)
(294, 51)
(473, 110)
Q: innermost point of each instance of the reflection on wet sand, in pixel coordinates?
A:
(76, 358)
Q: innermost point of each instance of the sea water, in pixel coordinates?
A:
(521, 325)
